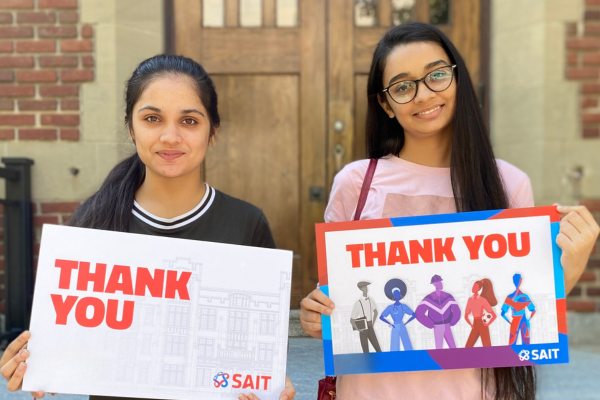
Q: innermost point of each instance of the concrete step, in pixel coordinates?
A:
(295, 330)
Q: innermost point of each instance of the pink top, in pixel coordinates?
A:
(401, 188)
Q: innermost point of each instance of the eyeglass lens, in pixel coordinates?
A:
(438, 81)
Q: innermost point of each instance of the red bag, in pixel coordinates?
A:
(326, 388)
(327, 384)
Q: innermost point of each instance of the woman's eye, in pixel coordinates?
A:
(151, 118)
(439, 75)
(189, 121)
(402, 88)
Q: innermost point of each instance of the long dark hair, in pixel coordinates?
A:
(476, 182)
(110, 207)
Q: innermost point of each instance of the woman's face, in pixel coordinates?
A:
(170, 127)
(475, 287)
(429, 112)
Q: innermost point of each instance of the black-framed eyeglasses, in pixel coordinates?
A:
(437, 80)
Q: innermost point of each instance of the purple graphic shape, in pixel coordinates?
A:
(477, 357)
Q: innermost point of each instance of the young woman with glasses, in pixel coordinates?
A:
(434, 156)
(171, 114)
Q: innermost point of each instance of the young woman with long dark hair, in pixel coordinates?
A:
(172, 117)
(435, 156)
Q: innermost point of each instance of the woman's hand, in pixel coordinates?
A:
(577, 237)
(287, 394)
(13, 366)
(311, 308)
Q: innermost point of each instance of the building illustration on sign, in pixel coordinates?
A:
(217, 330)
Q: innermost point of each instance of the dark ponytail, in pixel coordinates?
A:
(110, 207)
(475, 178)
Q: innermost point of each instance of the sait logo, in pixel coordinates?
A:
(220, 380)
(524, 355)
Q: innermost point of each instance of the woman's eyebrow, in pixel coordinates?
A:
(435, 64)
(428, 66)
(149, 108)
(192, 110)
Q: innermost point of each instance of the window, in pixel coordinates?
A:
(265, 352)
(205, 347)
(203, 377)
(267, 324)
(239, 300)
(208, 319)
(173, 374)
(439, 12)
(147, 344)
(238, 321)
(178, 318)
(175, 345)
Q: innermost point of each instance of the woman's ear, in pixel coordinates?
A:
(382, 99)
(213, 137)
(131, 134)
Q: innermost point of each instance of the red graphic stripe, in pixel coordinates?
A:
(561, 311)
(529, 212)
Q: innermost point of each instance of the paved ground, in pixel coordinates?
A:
(578, 380)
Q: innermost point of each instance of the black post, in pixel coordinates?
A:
(18, 245)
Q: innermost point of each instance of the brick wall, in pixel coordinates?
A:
(585, 296)
(583, 66)
(45, 54)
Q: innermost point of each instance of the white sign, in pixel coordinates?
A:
(119, 314)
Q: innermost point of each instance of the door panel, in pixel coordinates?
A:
(259, 113)
(268, 61)
(291, 77)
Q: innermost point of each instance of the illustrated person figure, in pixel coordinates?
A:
(362, 318)
(172, 118)
(517, 302)
(440, 312)
(477, 305)
(395, 289)
(425, 128)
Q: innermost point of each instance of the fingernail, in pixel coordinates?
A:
(24, 353)
(328, 311)
(22, 366)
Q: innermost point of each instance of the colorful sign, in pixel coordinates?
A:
(119, 314)
(466, 290)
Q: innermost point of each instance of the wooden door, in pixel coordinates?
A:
(355, 28)
(292, 97)
(269, 69)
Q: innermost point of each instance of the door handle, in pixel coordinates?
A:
(338, 153)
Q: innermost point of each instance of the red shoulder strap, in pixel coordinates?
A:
(364, 191)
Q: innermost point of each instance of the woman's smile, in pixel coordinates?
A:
(430, 112)
(170, 155)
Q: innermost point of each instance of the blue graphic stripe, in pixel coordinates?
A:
(325, 319)
(361, 363)
(328, 357)
(444, 218)
(559, 277)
